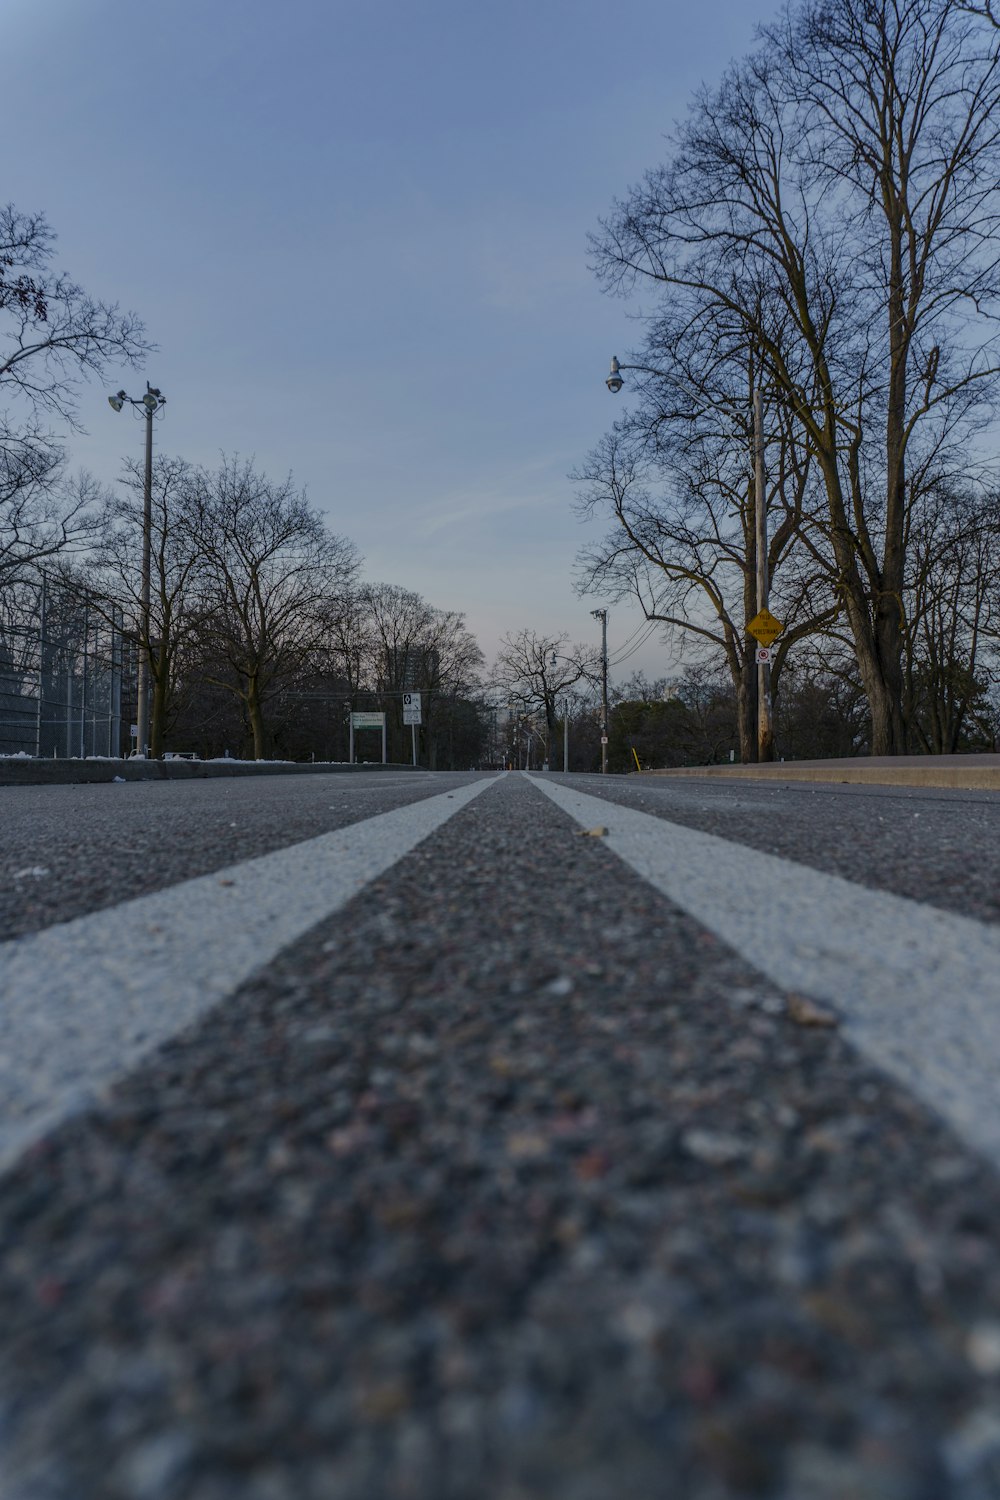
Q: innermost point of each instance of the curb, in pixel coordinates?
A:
(968, 772)
(83, 772)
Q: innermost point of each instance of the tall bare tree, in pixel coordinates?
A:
(175, 559)
(837, 199)
(52, 337)
(268, 571)
(675, 479)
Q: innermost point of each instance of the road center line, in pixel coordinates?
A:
(918, 988)
(83, 1001)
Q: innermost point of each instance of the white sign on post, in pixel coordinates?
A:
(367, 721)
(763, 656)
(411, 708)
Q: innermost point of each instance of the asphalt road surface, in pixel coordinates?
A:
(473, 1137)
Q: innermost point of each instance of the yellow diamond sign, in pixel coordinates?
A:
(765, 628)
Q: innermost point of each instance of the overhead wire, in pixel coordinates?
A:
(624, 655)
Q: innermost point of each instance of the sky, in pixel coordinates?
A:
(357, 233)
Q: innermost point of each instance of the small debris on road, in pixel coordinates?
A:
(716, 1148)
(591, 833)
(805, 1012)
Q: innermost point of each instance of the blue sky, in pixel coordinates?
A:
(357, 233)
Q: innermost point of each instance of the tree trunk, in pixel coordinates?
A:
(746, 708)
(256, 717)
(159, 710)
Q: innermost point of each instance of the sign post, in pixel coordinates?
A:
(412, 716)
(368, 721)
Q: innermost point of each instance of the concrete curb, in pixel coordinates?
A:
(81, 772)
(970, 772)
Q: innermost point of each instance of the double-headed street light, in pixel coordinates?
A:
(146, 405)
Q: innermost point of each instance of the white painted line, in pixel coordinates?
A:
(918, 988)
(82, 1001)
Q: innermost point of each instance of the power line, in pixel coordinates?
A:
(624, 655)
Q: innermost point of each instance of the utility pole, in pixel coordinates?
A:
(765, 725)
(602, 615)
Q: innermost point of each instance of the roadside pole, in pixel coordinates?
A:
(602, 615)
(765, 726)
(413, 715)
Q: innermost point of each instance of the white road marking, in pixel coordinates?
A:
(81, 1002)
(918, 988)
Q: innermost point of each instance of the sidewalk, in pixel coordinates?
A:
(969, 772)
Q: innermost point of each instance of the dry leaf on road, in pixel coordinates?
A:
(807, 1013)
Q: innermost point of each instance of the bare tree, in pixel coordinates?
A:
(953, 615)
(175, 558)
(538, 670)
(268, 571)
(41, 511)
(53, 333)
(418, 647)
(675, 479)
(52, 336)
(846, 174)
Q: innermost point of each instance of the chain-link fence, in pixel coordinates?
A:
(67, 672)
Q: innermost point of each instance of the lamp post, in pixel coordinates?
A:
(765, 723)
(149, 403)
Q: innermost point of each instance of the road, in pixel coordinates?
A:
(459, 1136)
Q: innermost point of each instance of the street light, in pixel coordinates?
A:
(149, 403)
(765, 721)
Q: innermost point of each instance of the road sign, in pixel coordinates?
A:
(762, 656)
(411, 708)
(604, 739)
(765, 628)
(367, 721)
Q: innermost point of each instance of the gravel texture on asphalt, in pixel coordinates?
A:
(69, 850)
(917, 988)
(510, 1184)
(930, 844)
(85, 1000)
